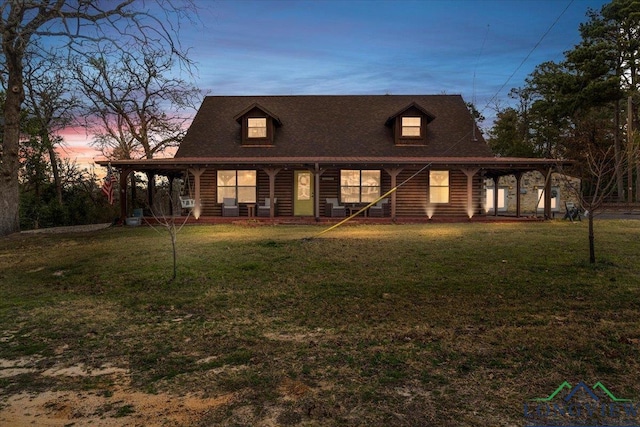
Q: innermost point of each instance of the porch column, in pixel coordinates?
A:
(124, 175)
(547, 195)
(171, 178)
(470, 173)
(317, 174)
(151, 177)
(272, 172)
(518, 176)
(196, 172)
(393, 173)
(495, 195)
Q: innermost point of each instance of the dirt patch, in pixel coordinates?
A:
(118, 405)
(120, 408)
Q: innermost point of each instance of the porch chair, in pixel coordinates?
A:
(379, 210)
(230, 207)
(571, 212)
(332, 208)
(265, 210)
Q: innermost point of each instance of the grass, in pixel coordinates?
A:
(433, 324)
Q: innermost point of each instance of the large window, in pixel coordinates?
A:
(257, 128)
(237, 184)
(359, 186)
(411, 126)
(502, 199)
(439, 186)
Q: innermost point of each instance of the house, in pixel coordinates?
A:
(422, 155)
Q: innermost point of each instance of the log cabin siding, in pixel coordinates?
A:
(283, 191)
(209, 193)
(412, 198)
(329, 187)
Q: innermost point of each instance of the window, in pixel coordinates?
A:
(555, 198)
(257, 127)
(438, 186)
(502, 199)
(411, 126)
(359, 186)
(237, 184)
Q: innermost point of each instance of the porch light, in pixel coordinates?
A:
(470, 212)
(430, 210)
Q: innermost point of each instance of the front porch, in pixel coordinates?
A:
(302, 190)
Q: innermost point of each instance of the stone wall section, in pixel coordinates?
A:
(562, 190)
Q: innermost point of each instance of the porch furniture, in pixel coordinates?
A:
(230, 207)
(355, 208)
(571, 212)
(265, 210)
(379, 210)
(187, 202)
(332, 208)
(251, 210)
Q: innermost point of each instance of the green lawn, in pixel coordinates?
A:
(387, 325)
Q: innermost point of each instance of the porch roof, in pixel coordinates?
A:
(495, 166)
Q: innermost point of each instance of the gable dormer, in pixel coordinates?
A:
(410, 125)
(257, 126)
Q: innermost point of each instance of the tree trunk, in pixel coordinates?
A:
(9, 160)
(592, 247)
(637, 180)
(618, 154)
(173, 233)
(53, 158)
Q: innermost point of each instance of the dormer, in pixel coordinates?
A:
(257, 126)
(410, 125)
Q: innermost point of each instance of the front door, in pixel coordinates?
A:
(303, 194)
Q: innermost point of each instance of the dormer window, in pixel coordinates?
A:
(257, 127)
(411, 127)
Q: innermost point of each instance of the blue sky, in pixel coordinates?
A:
(477, 48)
(463, 47)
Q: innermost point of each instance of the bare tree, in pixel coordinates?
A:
(598, 173)
(170, 223)
(50, 105)
(69, 24)
(136, 102)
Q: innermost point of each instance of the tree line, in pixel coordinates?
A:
(116, 69)
(584, 107)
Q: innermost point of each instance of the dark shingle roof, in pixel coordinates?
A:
(333, 126)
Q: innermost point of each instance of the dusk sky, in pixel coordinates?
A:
(477, 48)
